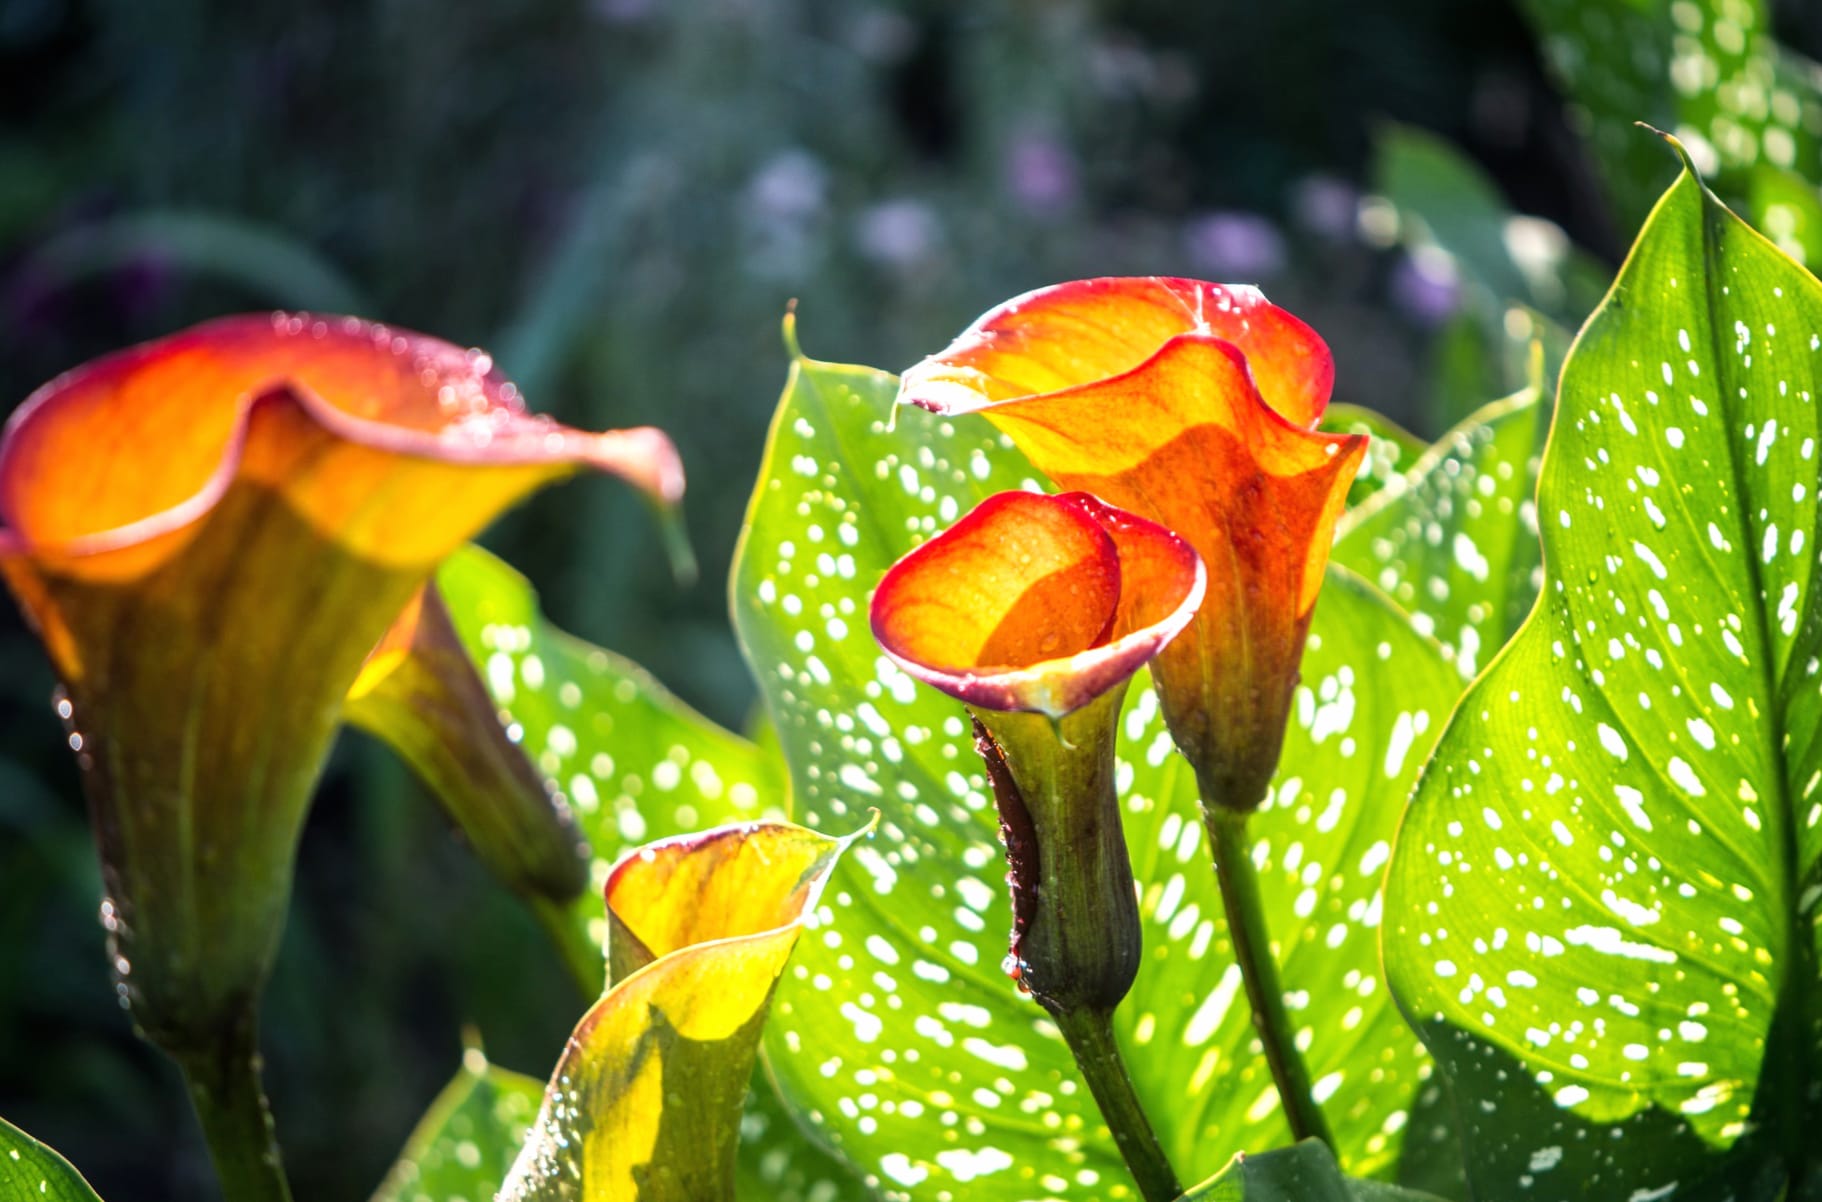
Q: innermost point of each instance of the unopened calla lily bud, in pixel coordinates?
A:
(210, 533)
(1194, 405)
(1035, 611)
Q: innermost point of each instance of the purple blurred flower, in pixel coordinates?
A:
(782, 208)
(1325, 205)
(1041, 172)
(1233, 246)
(1425, 285)
(899, 233)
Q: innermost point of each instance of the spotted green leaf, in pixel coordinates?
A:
(629, 759)
(1391, 448)
(632, 762)
(1303, 1172)
(1604, 895)
(29, 1169)
(895, 1030)
(1709, 71)
(1454, 540)
(467, 1140)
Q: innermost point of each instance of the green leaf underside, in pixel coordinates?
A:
(1607, 882)
(1707, 71)
(895, 1029)
(1303, 1172)
(1454, 540)
(29, 1169)
(468, 1138)
(634, 764)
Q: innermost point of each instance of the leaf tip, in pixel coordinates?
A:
(1682, 152)
(789, 330)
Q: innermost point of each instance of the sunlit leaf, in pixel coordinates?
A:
(646, 1101)
(1303, 1172)
(632, 762)
(421, 692)
(1454, 541)
(1391, 449)
(899, 1036)
(29, 1169)
(1519, 279)
(1708, 71)
(1604, 897)
(466, 1142)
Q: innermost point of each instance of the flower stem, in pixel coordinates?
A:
(1089, 1034)
(230, 1102)
(1253, 951)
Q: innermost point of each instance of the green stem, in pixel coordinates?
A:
(1253, 951)
(230, 1102)
(1089, 1034)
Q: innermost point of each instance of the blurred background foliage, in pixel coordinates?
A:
(619, 198)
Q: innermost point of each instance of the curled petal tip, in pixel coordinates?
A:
(1037, 603)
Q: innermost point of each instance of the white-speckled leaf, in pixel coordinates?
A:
(1391, 449)
(1304, 1172)
(896, 1030)
(1454, 540)
(1374, 697)
(1606, 886)
(468, 1138)
(31, 1170)
(634, 764)
(1708, 71)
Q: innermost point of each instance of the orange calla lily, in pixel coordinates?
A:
(1194, 405)
(646, 1100)
(210, 533)
(1036, 611)
(1037, 603)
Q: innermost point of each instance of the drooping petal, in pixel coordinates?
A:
(1087, 330)
(1023, 604)
(646, 1100)
(1183, 437)
(210, 533)
(420, 693)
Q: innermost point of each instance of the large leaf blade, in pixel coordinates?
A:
(1454, 540)
(1604, 891)
(906, 1015)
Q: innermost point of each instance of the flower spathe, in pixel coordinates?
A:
(1193, 405)
(1037, 603)
(210, 533)
(646, 1100)
(1036, 611)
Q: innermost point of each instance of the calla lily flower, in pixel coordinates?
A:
(210, 534)
(1194, 405)
(1036, 611)
(646, 1100)
(1036, 603)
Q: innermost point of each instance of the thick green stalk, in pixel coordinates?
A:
(1089, 1034)
(1253, 952)
(1076, 943)
(230, 1102)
